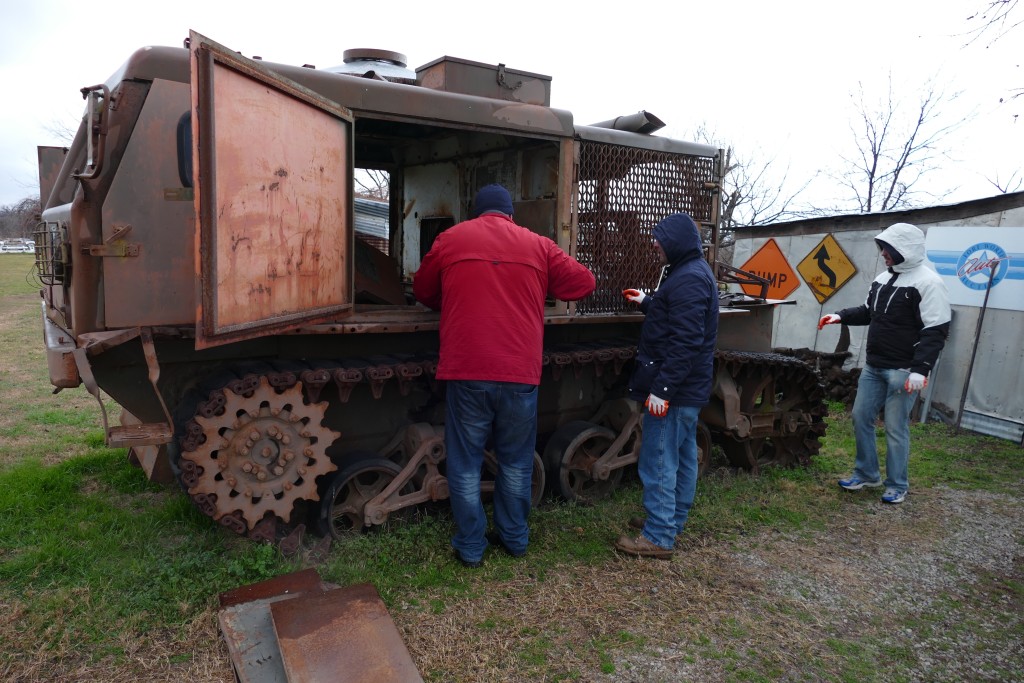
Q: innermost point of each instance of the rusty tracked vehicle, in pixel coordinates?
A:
(200, 265)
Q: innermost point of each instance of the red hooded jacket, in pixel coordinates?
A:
(489, 278)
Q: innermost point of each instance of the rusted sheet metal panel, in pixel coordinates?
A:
(366, 96)
(248, 628)
(539, 215)
(160, 268)
(274, 200)
(343, 635)
(248, 631)
(50, 161)
(377, 277)
(59, 359)
(303, 581)
(746, 329)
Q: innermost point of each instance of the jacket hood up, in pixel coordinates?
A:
(908, 240)
(679, 237)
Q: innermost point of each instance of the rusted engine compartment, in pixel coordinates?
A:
(333, 417)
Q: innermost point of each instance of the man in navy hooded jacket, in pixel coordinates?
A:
(673, 376)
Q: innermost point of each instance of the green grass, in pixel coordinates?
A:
(938, 457)
(17, 274)
(92, 556)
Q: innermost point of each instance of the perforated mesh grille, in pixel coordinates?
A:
(623, 193)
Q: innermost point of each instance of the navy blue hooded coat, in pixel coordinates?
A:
(676, 354)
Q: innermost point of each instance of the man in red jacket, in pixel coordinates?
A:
(489, 278)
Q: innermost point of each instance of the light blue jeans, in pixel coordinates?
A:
(504, 413)
(877, 388)
(668, 471)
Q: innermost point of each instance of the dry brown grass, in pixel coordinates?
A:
(771, 602)
(194, 653)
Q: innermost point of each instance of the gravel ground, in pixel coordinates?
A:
(934, 585)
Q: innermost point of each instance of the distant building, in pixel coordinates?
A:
(371, 217)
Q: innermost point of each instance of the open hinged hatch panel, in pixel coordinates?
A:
(273, 198)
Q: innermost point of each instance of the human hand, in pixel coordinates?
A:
(830, 319)
(658, 407)
(634, 295)
(915, 382)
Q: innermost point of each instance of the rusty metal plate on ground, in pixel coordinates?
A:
(342, 635)
(303, 581)
(248, 631)
(248, 627)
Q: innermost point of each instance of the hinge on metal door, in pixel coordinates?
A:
(115, 245)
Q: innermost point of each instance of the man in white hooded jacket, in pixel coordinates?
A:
(907, 313)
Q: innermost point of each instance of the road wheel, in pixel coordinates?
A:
(571, 453)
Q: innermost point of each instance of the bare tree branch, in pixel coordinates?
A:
(372, 183)
(1015, 183)
(894, 152)
(19, 219)
(994, 18)
(61, 131)
(754, 191)
(995, 22)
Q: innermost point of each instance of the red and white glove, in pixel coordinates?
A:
(658, 407)
(830, 319)
(915, 382)
(634, 295)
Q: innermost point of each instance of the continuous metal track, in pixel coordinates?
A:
(255, 443)
(781, 400)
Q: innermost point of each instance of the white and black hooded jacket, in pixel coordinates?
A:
(907, 308)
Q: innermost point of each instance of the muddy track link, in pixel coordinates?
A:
(782, 401)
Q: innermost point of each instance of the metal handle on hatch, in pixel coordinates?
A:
(96, 120)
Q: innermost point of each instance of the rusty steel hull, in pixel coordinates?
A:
(199, 265)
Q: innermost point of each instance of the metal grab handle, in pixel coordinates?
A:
(96, 135)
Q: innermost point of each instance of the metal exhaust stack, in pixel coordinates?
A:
(642, 122)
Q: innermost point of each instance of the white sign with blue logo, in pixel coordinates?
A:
(966, 257)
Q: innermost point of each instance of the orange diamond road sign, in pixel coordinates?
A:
(826, 269)
(770, 264)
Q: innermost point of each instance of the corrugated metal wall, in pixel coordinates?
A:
(994, 403)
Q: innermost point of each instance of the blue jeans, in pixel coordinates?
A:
(668, 471)
(878, 387)
(506, 414)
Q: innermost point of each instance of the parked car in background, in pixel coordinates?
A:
(17, 247)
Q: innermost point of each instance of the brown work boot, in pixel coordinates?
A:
(641, 547)
(638, 523)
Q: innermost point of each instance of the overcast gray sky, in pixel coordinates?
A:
(772, 78)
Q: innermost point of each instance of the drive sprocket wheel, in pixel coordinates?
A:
(261, 454)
